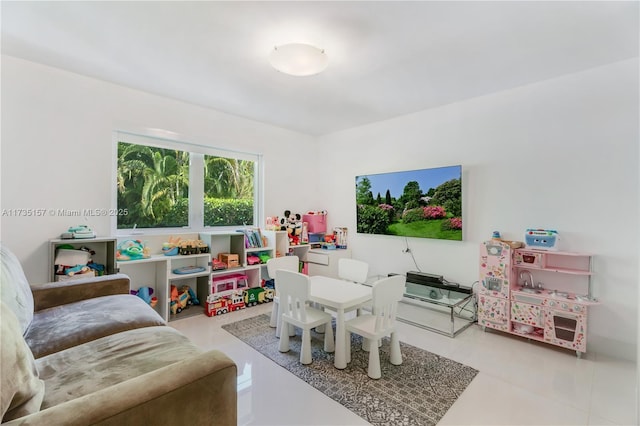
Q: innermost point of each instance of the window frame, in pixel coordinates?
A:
(197, 151)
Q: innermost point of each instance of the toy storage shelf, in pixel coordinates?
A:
(234, 242)
(157, 272)
(104, 247)
(279, 240)
(537, 294)
(152, 273)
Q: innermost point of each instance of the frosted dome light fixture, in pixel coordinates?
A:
(298, 59)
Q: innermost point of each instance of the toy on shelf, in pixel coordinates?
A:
(264, 256)
(272, 223)
(72, 262)
(132, 250)
(291, 222)
(182, 299)
(193, 299)
(218, 265)
(193, 247)
(340, 237)
(78, 269)
(171, 247)
(541, 239)
(230, 259)
(79, 232)
(184, 270)
(329, 242)
(495, 236)
(146, 294)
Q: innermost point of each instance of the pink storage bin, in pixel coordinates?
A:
(317, 222)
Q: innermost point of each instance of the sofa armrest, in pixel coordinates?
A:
(200, 390)
(52, 294)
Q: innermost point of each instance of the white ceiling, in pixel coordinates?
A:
(385, 58)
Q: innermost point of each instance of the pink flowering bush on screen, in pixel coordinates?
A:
(434, 212)
(455, 223)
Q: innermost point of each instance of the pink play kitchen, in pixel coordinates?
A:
(536, 292)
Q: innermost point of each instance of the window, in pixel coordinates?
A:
(168, 184)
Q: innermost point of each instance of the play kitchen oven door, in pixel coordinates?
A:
(565, 325)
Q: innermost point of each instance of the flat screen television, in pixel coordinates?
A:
(424, 203)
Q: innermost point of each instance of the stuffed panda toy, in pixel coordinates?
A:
(293, 225)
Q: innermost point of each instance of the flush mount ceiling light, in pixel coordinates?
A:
(298, 59)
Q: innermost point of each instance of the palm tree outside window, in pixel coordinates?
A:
(155, 185)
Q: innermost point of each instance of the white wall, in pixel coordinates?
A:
(559, 154)
(57, 150)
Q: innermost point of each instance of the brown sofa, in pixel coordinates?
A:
(87, 352)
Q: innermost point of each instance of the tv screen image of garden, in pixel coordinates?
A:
(424, 203)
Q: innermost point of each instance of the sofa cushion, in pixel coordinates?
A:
(64, 326)
(14, 288)
(22, 391)
(87, 368)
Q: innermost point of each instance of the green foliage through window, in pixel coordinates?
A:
(153, 184)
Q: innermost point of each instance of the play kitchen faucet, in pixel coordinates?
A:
(529, 284)
(526, 283)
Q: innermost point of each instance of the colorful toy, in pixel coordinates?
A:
(253, 296)
(269, 294)
(264, 257)
(193, 247)
(182, 299)
(179, 299)
(218, 265)
(541, 239)
(193, 299)
(81, 232)
(171, 248)
(222, 305)
(145, 293)
(132, 250)
(340, 237)
(272, 223)
(184, 270)
(78, 269)
(292, 224)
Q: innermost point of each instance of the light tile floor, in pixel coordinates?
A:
(519, 382)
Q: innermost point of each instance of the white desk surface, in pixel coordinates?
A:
(338, 294)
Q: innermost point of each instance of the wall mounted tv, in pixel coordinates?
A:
(424, 203)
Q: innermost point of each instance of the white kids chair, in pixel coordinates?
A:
(355, 271)
(288, 263)
(352, 270)
(386, 292)
(294, 291)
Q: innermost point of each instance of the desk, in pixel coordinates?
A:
(342, 296)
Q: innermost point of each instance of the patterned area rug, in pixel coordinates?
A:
(418, 392)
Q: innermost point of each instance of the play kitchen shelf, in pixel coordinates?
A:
(541, 295)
